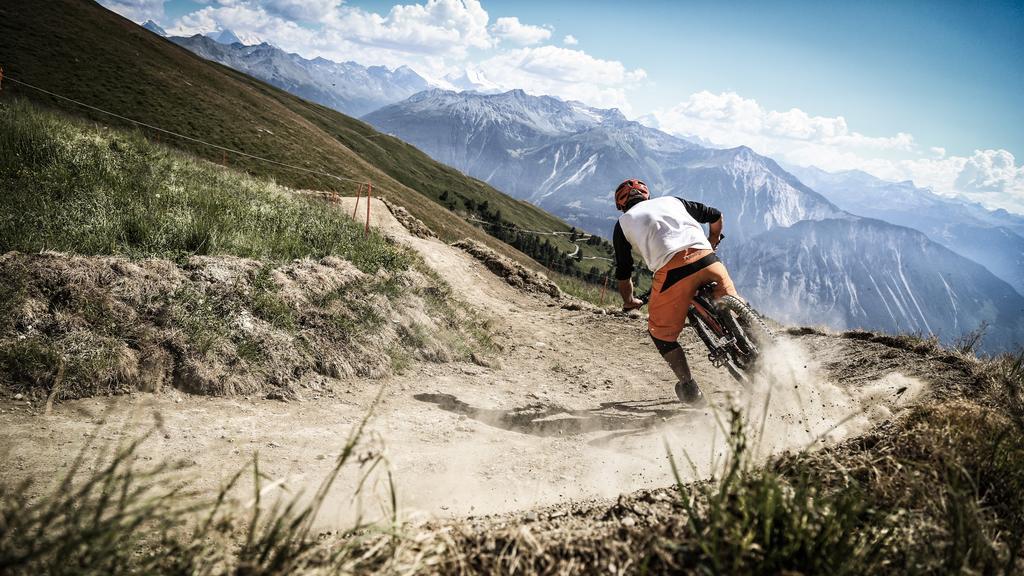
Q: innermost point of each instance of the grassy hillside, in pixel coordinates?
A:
(71, 187)
(190, 275)
(81, 50)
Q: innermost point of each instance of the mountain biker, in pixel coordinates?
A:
(668, 234)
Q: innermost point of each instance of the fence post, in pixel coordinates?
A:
(369, 189)
(604, 288)
(359, 190)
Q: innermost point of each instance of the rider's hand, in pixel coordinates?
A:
(635, 303)
(715, 239)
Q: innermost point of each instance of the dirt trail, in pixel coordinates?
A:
(581, 406)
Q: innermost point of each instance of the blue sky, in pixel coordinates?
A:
(917, 67)
(928, 91)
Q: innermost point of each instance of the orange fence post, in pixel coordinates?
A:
(603, 289)
(369, 188)
(359, 190)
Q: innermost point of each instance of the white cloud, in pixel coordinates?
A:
(511, 29)
(570, 40)
(991, 171)
(137, 10)
(302, 10)
(433, 37)
(437, 38)
(794, 136)
(563, 72)
(730, 119)
(439, 26)
(251, 24)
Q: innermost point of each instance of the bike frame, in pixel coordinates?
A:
(703, 318)
(708, 328)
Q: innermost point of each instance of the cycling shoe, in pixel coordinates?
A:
(689, 393)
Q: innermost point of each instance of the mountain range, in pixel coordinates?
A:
(794, 252)
(347, 87)
(865, 273)
(786, 242)
(566, 158)
(992, 238)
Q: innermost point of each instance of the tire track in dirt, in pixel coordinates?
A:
(581, 406)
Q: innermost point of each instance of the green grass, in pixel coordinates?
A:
(71, 189)
(129, 517)
(81, 50)
(266, 302)
(754, 520)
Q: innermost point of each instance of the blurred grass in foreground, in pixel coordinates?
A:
(938, 491)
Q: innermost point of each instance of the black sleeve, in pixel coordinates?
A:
(700, 212)
(623, 254)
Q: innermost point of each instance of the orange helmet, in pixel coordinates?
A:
(630, 190)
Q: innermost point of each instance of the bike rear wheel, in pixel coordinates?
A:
(716, 355)
(751, 333)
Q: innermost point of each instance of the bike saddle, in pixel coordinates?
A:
(709, 287)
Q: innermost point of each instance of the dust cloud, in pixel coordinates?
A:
(790, 404)
(490, 452)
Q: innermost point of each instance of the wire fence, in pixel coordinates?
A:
(361, 185)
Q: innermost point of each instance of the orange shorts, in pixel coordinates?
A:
(667, 308)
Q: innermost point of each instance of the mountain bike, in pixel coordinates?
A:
(734, 333)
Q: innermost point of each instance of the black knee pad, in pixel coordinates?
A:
(665, 346)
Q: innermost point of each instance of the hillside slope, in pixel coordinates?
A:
(560, 423)
(127, 266)
(81, 50)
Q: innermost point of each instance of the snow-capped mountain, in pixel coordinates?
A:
(994, 239)
(864, 273)
(567, 158)
(224, 36)
(347, 86)
(470, 80)
(794, 253)
(154, 28)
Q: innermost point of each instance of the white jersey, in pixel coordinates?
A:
(661, 227)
